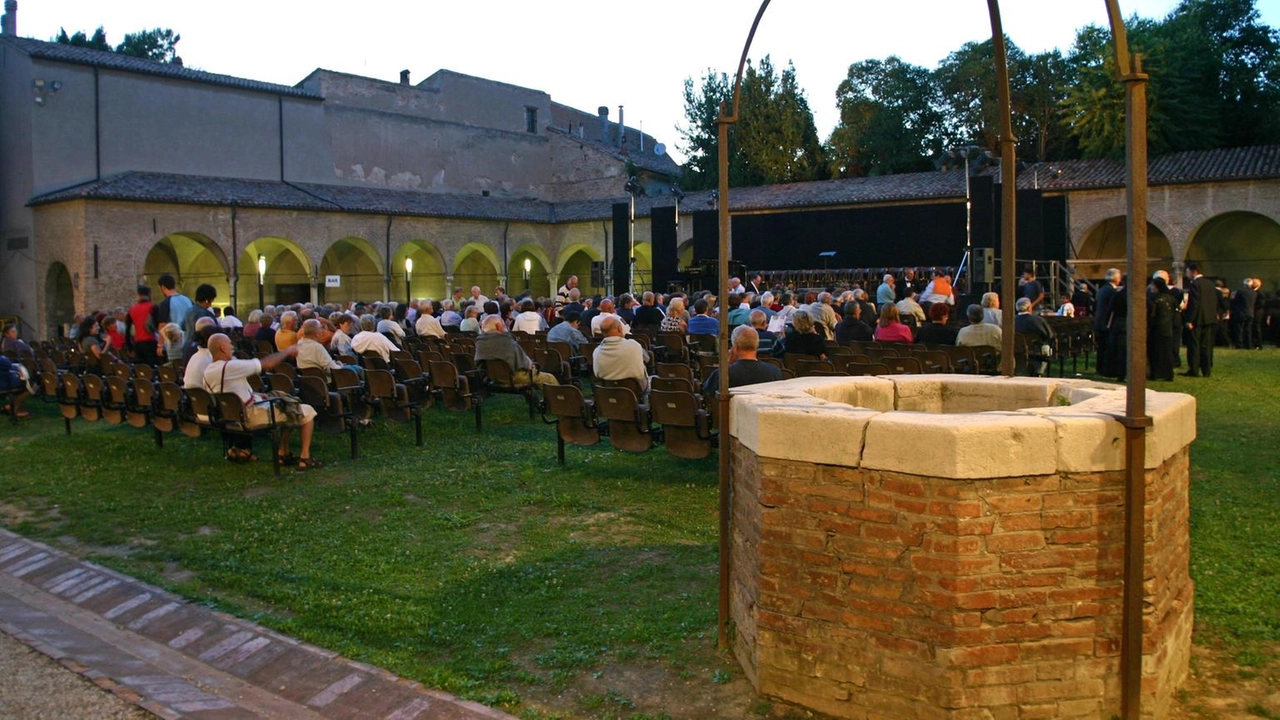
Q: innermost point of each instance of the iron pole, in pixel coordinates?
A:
(1008, 194)
(722, 408)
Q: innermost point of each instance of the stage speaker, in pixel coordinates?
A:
(597, 274)
(621, 248)
(666, 264)
(984, 265)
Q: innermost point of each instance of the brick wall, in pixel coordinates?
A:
(867, 593)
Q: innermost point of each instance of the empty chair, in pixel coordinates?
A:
(903, 365)
(332, 414)
(116, 402)
(392, 398)
(92, 395)
(574, 417)
(686, 426)
(68, 394)
(454, 389)
(860, 368)
(674, 370)
(279, 382)
(409, 373)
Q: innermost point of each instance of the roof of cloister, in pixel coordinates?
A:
(1204, 166)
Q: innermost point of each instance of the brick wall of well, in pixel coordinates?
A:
(865, 593)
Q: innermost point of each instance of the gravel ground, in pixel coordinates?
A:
(35, 687)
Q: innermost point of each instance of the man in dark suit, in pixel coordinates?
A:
(1201, 319)
(1242, 306)
(1102, 316)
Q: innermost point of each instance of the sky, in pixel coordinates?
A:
(586, 53)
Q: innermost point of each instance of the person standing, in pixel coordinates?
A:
(1201, 319)
(139, 333)
(1242, 305)
(1160, 331)
(1102, 317)
(173, 308)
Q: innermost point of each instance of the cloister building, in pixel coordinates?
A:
(114, 170)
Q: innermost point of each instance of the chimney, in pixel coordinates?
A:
(622, 128)
(404, 77)
(9, 25)
(603, 111)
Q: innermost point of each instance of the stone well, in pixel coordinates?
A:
(946, 546)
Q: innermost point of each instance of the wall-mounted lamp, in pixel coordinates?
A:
(408, 271)
(262, 280)
(528, 266)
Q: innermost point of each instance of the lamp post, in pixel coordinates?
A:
(408, 271)
(262, 280)
(528, 265)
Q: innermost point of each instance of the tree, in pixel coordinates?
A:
(159, 44)
(1038, 87)
(97, 42)
(1214, 81)
(775, 139)
(889, 119)
(701, 108)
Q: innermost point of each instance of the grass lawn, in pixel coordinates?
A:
(478, 566)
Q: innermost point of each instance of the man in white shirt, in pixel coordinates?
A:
(370, 339)
(193, 376)
(311, 354)
(617, 357)
(909, 306)
(226, 374)
(427, 325)
(477, 298)
(607, 311)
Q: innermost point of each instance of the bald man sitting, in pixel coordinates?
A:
(495, 343)
(227, 374)
(618, 357)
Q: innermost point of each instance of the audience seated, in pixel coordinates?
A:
(978, 333)
(937, 331)
(617, 357)
(744, 367)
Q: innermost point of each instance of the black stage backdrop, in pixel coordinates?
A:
(892, 236)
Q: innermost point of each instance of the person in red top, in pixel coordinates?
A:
(890, 327)
(139, 335)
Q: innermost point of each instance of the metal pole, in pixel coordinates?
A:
(631, 249)
(722, 408)
(1008, 195)
(968, 229)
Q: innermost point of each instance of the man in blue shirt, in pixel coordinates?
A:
(702, 323)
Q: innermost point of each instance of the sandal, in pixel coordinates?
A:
(309, 463)
(287, 460)
(241, 455)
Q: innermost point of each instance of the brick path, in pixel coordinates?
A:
(181, 660)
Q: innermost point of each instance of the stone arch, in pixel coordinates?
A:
(684, 254)
(1105, 245)
(576, 259)
(193, 259)
(288, 278)
(1235, 245)
(644, 267)
(360, 268)
(476, 264)
(59, 300)
(539, 266)
(428, 277)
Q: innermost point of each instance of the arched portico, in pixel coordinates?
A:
(476, 264)
(428, 277)
(1105, 246)
(287, 278)
(535, 280)
(1236, 245)
(644, 268)
(358, 268)
(193, 259)
(59, 300)
(576, 260)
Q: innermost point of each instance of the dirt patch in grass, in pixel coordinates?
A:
(706, 687)
(13, 515)
(604, 528)
(1219, 687)
(495, 542)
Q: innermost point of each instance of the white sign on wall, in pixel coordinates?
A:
(332, 281)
